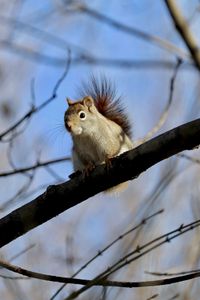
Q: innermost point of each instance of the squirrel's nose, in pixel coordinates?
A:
(68, 125)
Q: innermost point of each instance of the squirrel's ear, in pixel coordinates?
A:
(88, 101)
(69, 101)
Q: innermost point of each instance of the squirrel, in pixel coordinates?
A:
(98, 125)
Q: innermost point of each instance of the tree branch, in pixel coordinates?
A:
(100, 282)
(137, 253)
(127, 166)
(90, 59)
(184, 30)
(134, 32)
(35, 166)
(101, 252)
(34, 109)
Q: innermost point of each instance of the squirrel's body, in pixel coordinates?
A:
(103, 140)
(98, 126)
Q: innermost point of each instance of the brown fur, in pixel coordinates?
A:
(108, 104)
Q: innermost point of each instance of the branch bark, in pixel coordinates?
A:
(127, 166)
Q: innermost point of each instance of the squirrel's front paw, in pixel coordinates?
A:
(87, 170)
(108, 163)
(75, 174)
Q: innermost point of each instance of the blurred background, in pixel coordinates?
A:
(47, 49)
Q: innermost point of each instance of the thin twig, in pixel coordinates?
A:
(25, 250)
(35, 166)
(174, 297)
(40, 34)
(34, 110)
(90, 59)
(153, 297)
(192, 159)
(134, 32)
(143, 222)
(54, 174)
(102, 281)
(165, 113)
(13, 277)
(171, 274)
(18, 194)
(137, 253)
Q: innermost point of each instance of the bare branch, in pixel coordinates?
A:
(174, 297)
(89, 59)
(102, 281)
(164, 115)
(192, 159)
(142, 223)
(35, 166)
(18, 194)
(13, 277)
(22, 252)
(40, 34)
(137, 253)
(33, 110)
(134, 32)
(153, 297)
(172, 274)
(183, 28)
(62, 44)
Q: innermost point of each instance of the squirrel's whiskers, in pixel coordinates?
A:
(56, 135)
(98, 125)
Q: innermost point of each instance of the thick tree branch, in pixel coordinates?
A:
(127, 166)
(184, 30)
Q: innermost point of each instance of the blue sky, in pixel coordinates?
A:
(145, 93)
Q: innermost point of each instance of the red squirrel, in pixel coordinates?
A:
(98, 125)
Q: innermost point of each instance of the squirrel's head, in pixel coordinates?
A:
(79, 117)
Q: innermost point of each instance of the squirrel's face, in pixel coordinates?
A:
(79, 116)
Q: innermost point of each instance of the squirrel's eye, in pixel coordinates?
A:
(82, 115)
